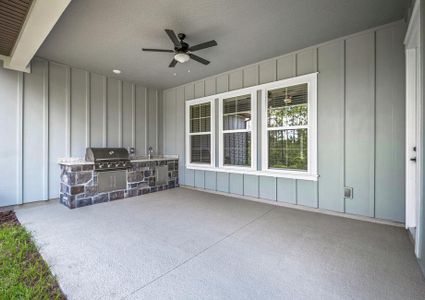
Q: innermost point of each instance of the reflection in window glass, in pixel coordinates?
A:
(288, 149)
(287, 123)
(200, 118)
(237, 126)
(288, 106)
(237, 148)
(200, 146)
(237, 113)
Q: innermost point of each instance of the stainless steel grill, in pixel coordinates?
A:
(108, 159)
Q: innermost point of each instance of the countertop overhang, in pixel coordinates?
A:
(73, 161)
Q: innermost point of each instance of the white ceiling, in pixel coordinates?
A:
(102, 35)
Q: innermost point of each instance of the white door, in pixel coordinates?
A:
(411, 133)
(414, 128)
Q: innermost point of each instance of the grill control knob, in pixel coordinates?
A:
(100, 166)
(109, 165)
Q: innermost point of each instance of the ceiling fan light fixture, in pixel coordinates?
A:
(181, 57)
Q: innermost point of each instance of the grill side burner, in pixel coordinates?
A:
(108, 159)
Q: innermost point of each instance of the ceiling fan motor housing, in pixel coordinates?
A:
(181, 36)
(184, 47)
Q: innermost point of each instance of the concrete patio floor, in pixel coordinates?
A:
(185, 244)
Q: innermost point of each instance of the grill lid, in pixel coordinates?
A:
(106, 154)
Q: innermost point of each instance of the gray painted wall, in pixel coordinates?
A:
(361, 115)
(57, 111)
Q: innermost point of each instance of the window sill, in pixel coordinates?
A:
(268, 173)
(200, 167)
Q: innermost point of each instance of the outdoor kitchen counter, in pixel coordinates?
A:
(80, 181)
(75, 161)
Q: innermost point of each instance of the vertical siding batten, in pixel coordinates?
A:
(345, 123)
(20, 139)
(120, 116)
(133, 115)
(68, 112)
(146, 120)
(88, 110)
(46, 130)
(105, 111)
(180, 131)
(156, 120)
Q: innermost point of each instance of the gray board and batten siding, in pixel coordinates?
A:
(361, 125)
(57, 111)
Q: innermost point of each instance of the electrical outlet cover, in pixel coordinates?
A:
(348, 192)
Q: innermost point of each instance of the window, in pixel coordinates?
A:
(289, 127)
(237, 124)
(200, 132)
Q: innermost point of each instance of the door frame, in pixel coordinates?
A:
(414, 108)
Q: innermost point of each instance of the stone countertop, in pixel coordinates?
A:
(73, 161)
(145, 158)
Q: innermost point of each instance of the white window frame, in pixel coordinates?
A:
(188, 134)
(311, 173)
(253, 93)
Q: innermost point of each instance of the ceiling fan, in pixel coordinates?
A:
(182, 51)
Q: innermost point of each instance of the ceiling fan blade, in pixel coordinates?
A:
(173, 63)
(157, 50)
(203, 45)
(199, 59)
(173, 37)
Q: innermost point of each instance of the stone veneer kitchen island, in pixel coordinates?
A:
(79, 180)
